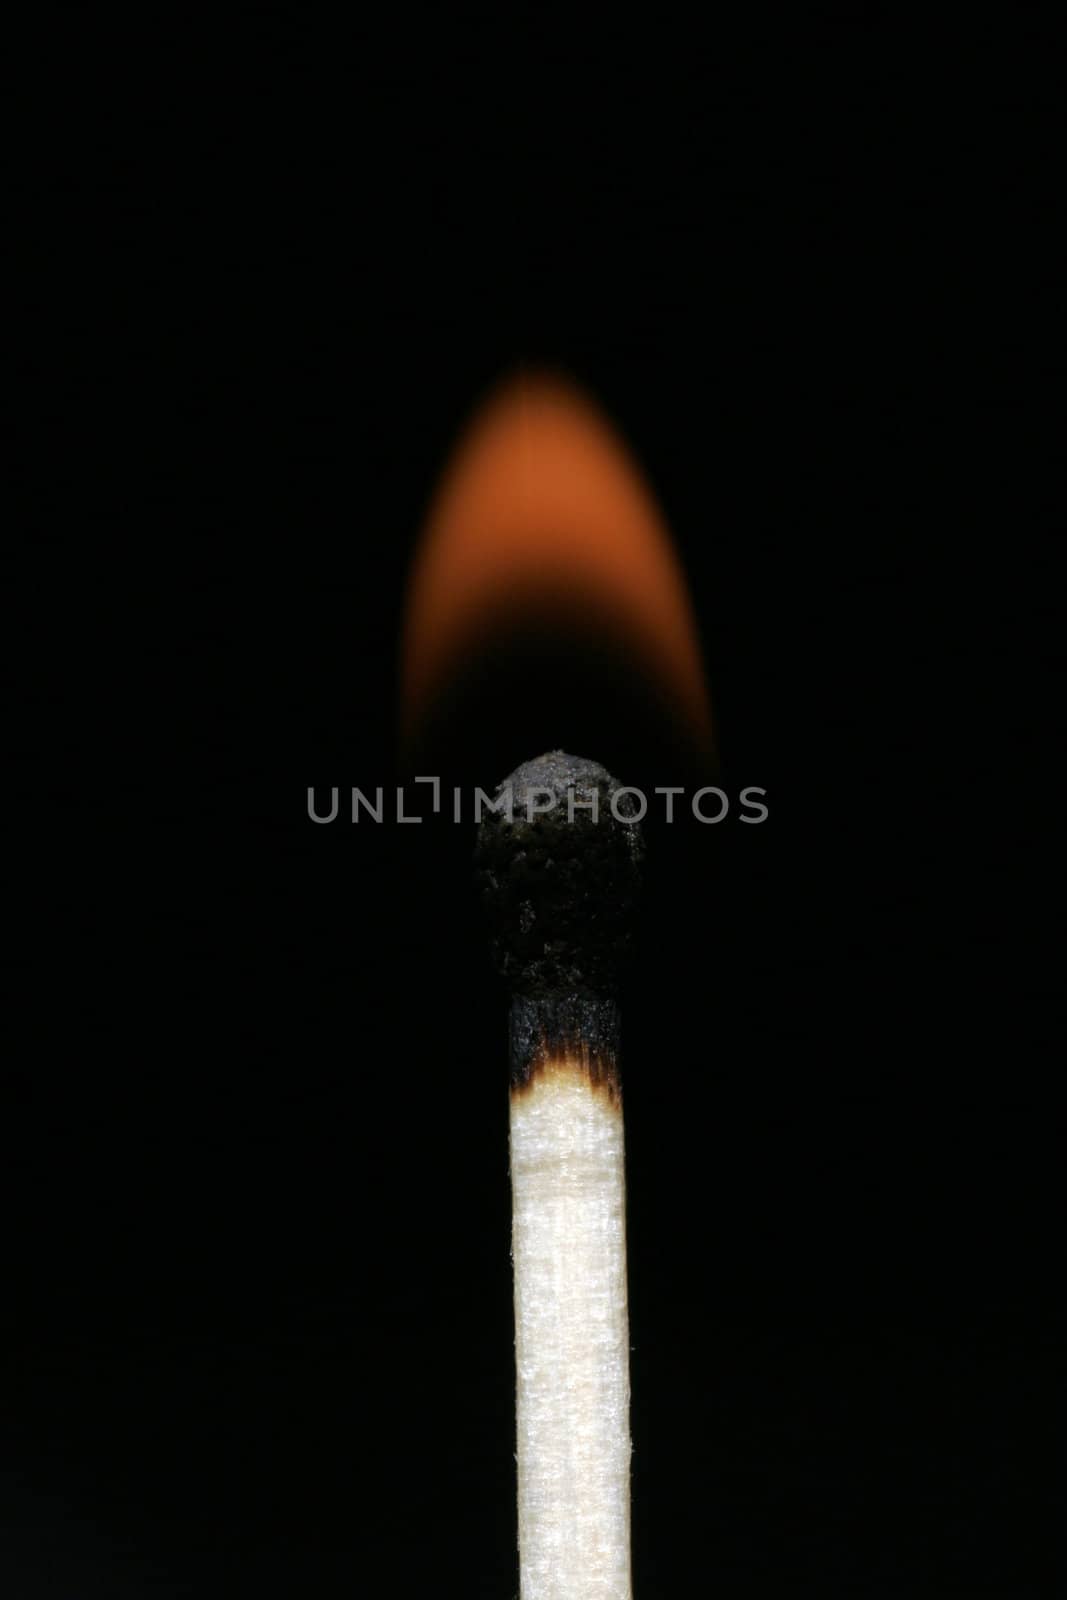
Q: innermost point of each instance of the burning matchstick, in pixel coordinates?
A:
(543, 522)
(559, 874)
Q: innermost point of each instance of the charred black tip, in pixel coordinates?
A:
(558, 866)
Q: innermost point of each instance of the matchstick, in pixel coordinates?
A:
(559, 873)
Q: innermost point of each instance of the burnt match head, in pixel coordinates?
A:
(558, 864)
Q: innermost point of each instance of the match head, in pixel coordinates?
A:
(559, 872)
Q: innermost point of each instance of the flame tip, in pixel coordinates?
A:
(542, 511)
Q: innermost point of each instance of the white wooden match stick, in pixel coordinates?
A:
(560, 873)
(571, 1337)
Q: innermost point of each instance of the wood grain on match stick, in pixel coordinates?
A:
(571, 1335)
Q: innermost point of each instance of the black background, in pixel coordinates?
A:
(256, 1304)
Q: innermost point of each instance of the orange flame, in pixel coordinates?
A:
(543, 512)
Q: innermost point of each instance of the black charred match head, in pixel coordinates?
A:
(559, 866)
